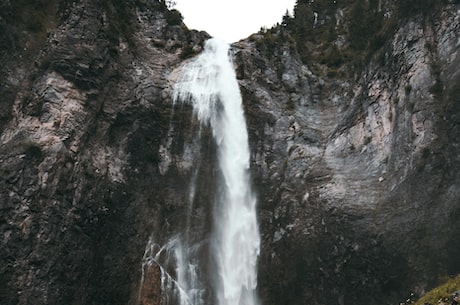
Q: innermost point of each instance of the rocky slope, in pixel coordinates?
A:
(356, 174)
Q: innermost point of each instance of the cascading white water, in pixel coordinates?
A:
(209, 83)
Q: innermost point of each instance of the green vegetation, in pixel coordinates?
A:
(187, 52)
(454, 93)
(173, 17)
(34, 16)
(271, 39)
(369, 29)
(32, 150)
(437, 88)
(290, 105)
(26, 23)
(409, 8)
(443, 291)
(340, 35)
(120, 15)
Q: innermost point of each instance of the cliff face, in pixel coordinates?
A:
(84, 117)
(357, 176)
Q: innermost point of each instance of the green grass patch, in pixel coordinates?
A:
(443, 291)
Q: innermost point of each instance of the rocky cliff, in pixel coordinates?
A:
(357, 171)
(355, 164)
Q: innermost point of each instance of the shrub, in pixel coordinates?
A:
(333, 57)
(437, 88)
(187, 51)
(173, 17)
(32, 150)
(120, 15)
(408, 8)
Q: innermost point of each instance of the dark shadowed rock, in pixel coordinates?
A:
(357, 175)
(150, 293)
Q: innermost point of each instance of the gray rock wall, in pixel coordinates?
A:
(357, 178)
(82, 181)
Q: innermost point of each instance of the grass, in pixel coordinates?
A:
(443, 291)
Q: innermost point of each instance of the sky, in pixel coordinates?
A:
(232, 20)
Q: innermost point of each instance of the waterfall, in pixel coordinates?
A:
(209, 84)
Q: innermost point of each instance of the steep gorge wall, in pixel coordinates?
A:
(357, 175)
(86, 116)
(357, 178)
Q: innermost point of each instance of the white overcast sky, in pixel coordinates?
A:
(232, 20)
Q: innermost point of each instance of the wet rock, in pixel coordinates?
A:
(357, 179)
(369, 153)
(150, 293)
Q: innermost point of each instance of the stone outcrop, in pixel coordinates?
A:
(150, 290)
(86, 115)
(357, 177)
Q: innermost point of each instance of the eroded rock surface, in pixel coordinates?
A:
(357, 177)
